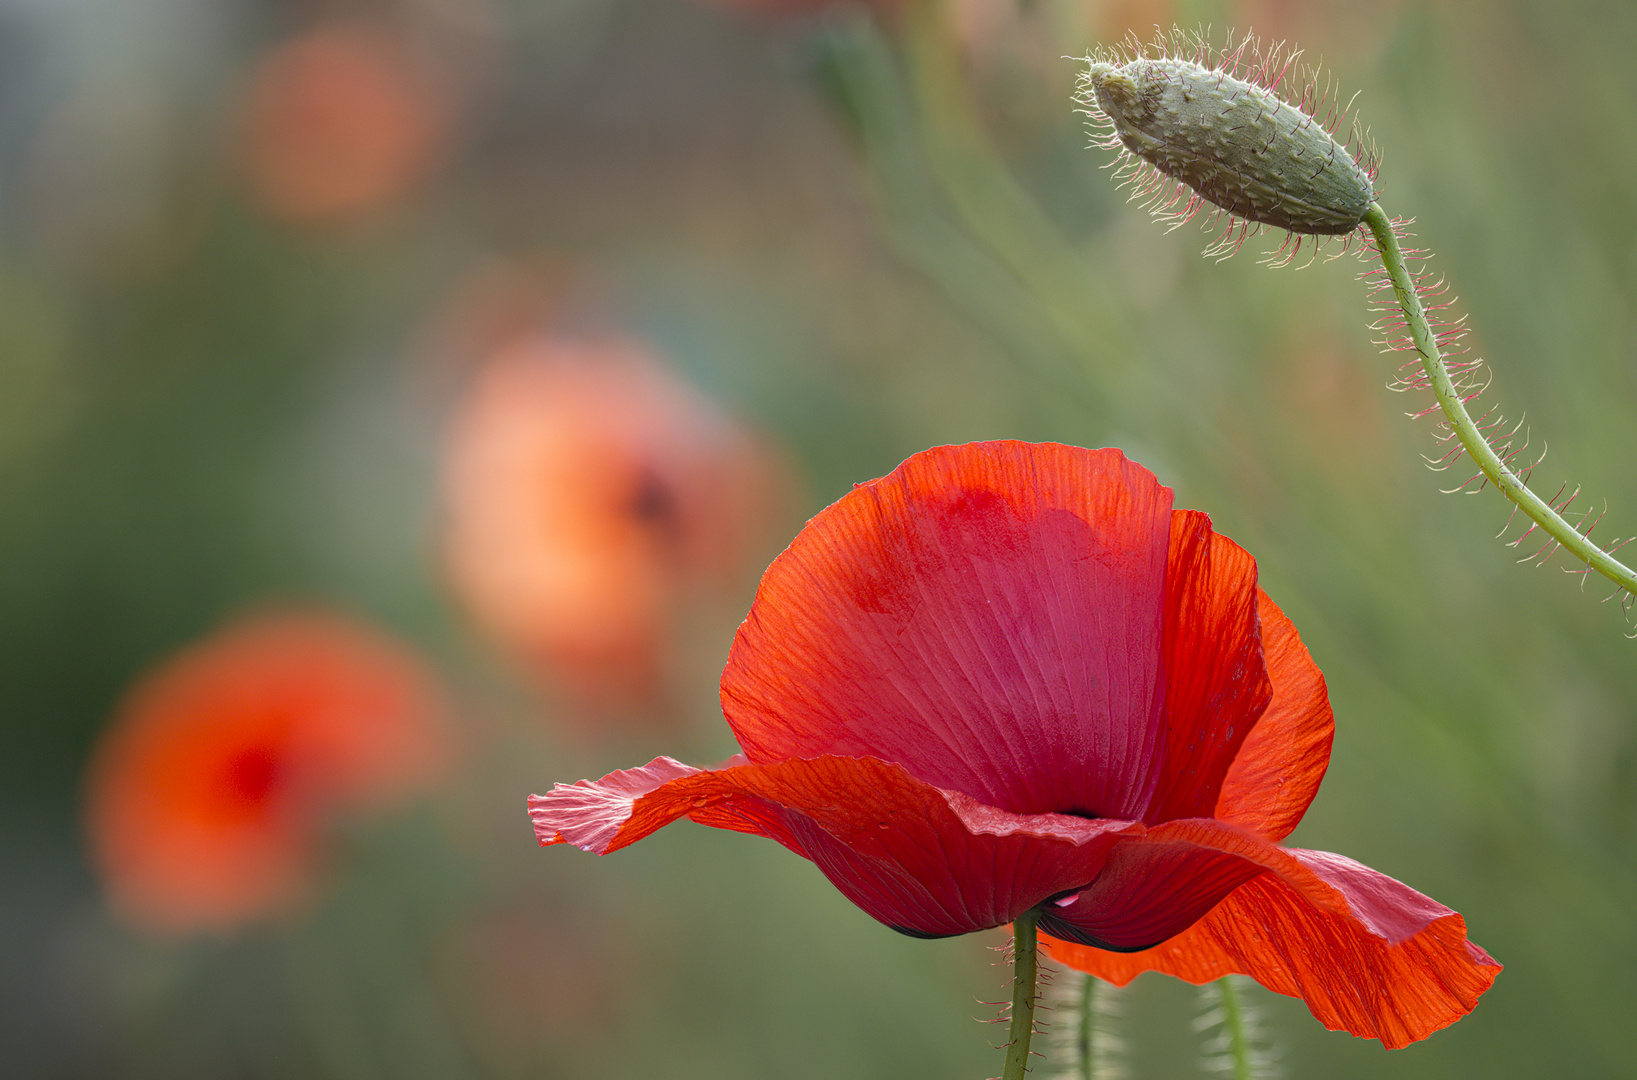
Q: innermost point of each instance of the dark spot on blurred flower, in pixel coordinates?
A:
(253, 774)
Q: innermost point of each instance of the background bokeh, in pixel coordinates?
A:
(253, 251)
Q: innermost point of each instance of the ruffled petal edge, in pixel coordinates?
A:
(1392, 964)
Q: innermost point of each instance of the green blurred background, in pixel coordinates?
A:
(863, 233)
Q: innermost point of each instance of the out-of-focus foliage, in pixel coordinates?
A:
(253, 254)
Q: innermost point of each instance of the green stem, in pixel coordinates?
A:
(991, 204)
(862, 71)
(1233, 1013)
(1472, 440)
(1087, 1041)
(1024, 965)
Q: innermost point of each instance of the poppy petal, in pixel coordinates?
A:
(1156, 885)
(988, 616)
(923, 860)
(598, 817)
(1392, 964)
(1215, 682)
(1279, 766)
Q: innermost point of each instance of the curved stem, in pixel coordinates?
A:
(1024, 964)
(1472, 440)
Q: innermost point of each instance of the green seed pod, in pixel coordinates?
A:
(1226, 140)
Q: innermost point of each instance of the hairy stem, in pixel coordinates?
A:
(1233, 1013)
(1024, 964)
(1472, 440)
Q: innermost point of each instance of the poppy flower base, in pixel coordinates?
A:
(1010, 678)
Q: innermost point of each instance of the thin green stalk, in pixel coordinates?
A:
(1233, 1013)
(1024, 969)
(993, 206)
(864, 75)
(1086, 1032)
(1472, 440)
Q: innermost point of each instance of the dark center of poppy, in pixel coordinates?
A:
(652, 502)
(252, 773)
(1089, 815)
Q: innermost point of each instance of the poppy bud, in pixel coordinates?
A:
(1233, 141)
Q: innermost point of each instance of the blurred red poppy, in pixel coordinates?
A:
(1010, 675)
(338, 122)
(587, 491)
(207, 798)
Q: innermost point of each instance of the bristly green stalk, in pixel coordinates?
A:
(1086, 1043)
(1197, 127)
(1238, 1050)
(1238, 1039)
(1025, 960)
(1477, 447)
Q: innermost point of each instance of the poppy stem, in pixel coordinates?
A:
(1452, 401)
(1024, 968)
(1233, 1011)
(1086, 1035)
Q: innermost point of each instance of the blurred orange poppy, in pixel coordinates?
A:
(587, 492)
(338, 122)
(207, 798)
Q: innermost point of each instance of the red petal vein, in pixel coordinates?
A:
(1215, 682)
(987, 616)
(1277, 771)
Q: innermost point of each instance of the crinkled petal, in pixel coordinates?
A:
(601, 817)
(1157, 884)
(988, 616)
(1215, 683)
(922, 860)
(1392, 964)
(1279, 766)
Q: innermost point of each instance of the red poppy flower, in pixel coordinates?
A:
(588, 492)
(1009, 675)
(207, 798)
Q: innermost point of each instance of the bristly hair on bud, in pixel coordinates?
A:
(1196, 125)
